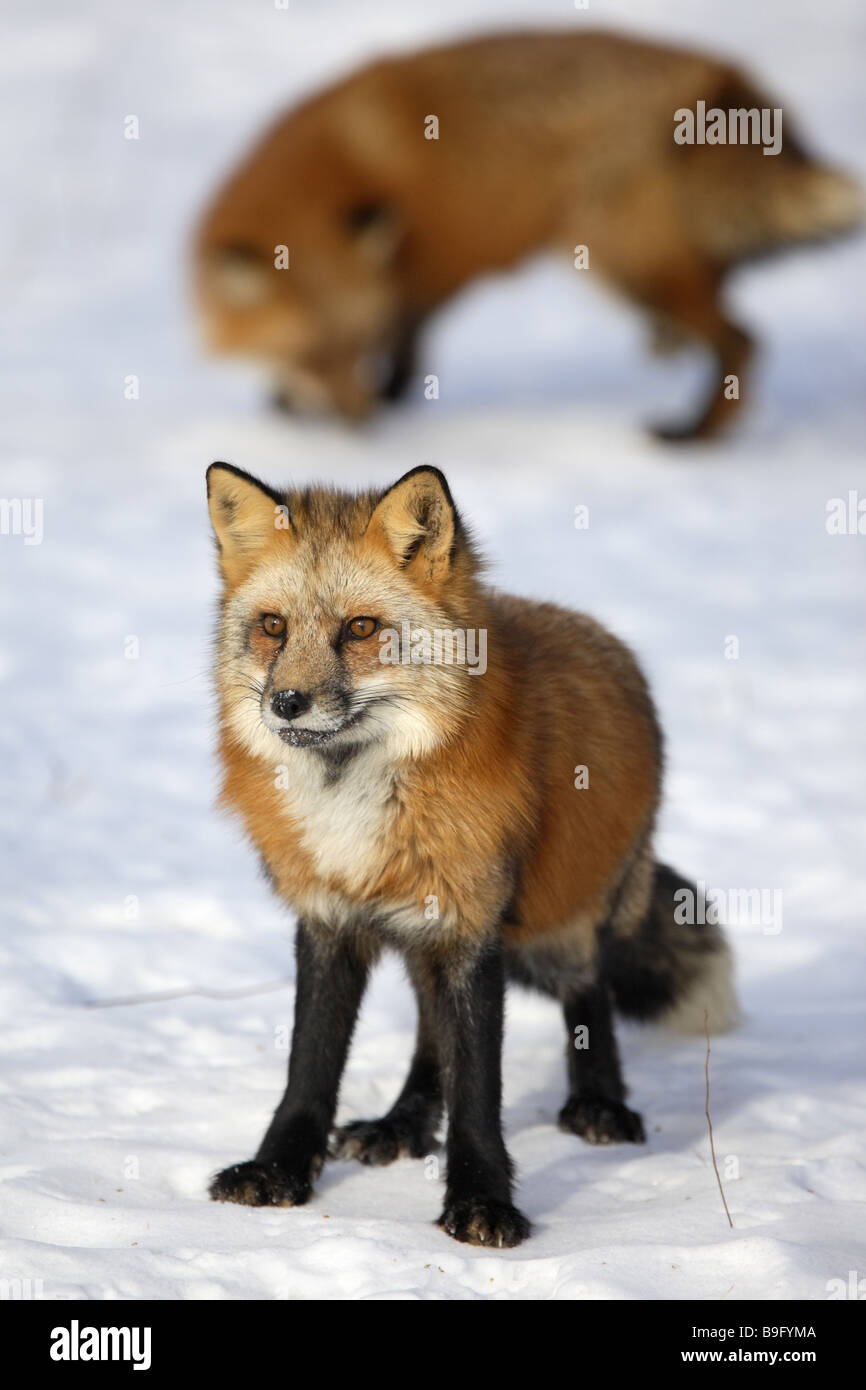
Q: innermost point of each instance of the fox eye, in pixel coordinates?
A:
(273, 624)
(359, 628)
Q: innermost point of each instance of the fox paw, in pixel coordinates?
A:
(601, 1121)
(255, 1184)
(484, 1221)
(377, 1142)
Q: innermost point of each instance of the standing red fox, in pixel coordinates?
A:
(404, 795)
(372, 204)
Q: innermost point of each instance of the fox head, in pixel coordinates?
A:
(322, 590)
(308, 290)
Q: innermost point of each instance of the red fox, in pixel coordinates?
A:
(369, 206)
(484, 807)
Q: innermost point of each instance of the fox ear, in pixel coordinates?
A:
(244, 514)
(417, 520)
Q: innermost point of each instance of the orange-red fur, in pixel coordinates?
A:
(433, 807)
(489, 819)
(546, 141)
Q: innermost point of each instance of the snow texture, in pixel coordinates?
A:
(120, 878)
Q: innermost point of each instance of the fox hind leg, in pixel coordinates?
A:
(687, 301)
(595, 1108)
(672, 277)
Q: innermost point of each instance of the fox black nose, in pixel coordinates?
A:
(288, 704)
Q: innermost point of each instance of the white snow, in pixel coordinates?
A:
(119, 877)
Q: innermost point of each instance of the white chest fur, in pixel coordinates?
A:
(344, 812)
(347, 818)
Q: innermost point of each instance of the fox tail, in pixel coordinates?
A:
(747, 203)
(671, 971)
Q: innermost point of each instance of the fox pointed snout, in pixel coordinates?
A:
(288, 704)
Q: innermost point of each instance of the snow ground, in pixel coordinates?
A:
(119, 877)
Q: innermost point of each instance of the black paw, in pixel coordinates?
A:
(378, 1142)
(255, 1184)
(484, 1221)
(601, 1121)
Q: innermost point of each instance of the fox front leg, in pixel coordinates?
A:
(330, 984)
(469, 1006)
(403, 361)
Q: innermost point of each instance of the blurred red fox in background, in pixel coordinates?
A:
(372, 204)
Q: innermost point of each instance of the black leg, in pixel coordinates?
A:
(595, 1108)
(469, 1007)
(330, 983)
(403, 362)
(409, 1128)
